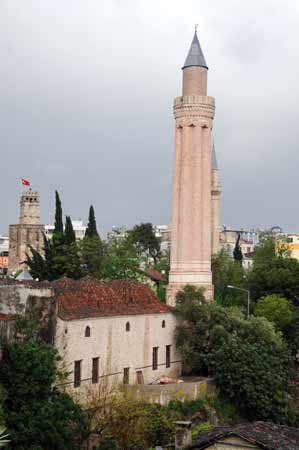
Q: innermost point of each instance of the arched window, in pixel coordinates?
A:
(87, 332)
(163, 324)
(128, 327)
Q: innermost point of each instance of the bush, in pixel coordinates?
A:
(37, 415)
(276, 309)
(255, 377)
(135, 425)
(249, 360)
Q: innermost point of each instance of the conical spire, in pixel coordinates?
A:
(195, 56)
(214, 159)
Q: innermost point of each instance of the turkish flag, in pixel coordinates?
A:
(25, 182)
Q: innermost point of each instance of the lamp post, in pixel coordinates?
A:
(248, 296)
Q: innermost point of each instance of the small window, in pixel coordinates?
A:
(155, 358)
(168, 353)
(163, 324)
(126, 377)
(128, 327)
(87, 332)
(95, 370)
(77, 373)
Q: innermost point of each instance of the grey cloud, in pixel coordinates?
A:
(86, 96)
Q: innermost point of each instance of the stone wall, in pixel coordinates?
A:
(164, 393)
(27, 301)
(20, 238)
(118, 349)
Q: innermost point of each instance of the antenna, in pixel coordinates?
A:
(196, 26)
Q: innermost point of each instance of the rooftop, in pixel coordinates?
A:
(88, 297)
(195, 56)
(267, 436)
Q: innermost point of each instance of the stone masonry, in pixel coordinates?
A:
(28, 232)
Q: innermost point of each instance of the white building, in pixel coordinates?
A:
(118, 331)
(163, 233)
(78, 226)
(4, 245)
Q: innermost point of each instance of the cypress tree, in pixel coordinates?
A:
(57, 244)
(58, 215)
(69, 234)
(91, 230)
(238, 256)
(37, 265)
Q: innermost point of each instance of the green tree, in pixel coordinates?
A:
(291, 334)
(276, 309)
(238, 256)
(143, 236)
(209, 336)
(37, 414)
(91, 247)
(69, 234)
(226, 272)
(255, 376)
(120, 261)
(58, 227)
(273, 272)
(91, 230)
(92, 254)
(134, 425)
(37, 265)
(72, 262)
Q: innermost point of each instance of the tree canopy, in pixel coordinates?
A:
(239, 353)
(37, 414)
(143, 236)
(273, 271)
(276, 309)
(238, 256)
(91, 230)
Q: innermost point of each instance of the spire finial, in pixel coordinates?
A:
(195, 56)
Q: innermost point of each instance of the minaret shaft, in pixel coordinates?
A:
(191, 232)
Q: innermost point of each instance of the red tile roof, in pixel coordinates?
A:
(7, 317)
(154, 275)
(88, 297)
(264, 435)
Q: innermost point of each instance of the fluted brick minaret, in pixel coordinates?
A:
(216, 197)
(191, 232)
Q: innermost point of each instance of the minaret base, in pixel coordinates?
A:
(173, 288)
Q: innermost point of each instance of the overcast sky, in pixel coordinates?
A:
(86, 93)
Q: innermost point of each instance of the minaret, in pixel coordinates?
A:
(216, 194)
(191, 233)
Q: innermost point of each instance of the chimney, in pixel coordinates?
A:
(183, 435)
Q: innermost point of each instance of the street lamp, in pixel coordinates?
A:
(248, 296)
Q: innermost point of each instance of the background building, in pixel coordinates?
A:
(78, 226)
(117, 332)
(4, 254)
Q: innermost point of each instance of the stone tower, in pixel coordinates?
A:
(191, 228)
(216, 194)
(29, 231)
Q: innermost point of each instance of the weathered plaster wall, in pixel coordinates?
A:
(20, 238)
(14, 298)
(37, 303)
(118, 348)
(163, 394)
